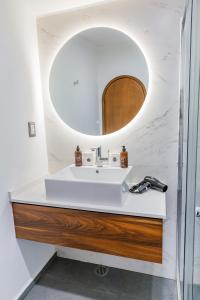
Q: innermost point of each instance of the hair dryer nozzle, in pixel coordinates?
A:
(156, 184)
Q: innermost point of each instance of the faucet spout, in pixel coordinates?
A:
(99, 158)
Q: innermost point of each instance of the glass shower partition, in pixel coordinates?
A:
(189, 158)
(196, 260)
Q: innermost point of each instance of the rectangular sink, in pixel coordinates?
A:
(103, 185)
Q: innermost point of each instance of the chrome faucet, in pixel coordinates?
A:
(99, 159)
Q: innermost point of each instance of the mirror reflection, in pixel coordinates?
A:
(98, 81)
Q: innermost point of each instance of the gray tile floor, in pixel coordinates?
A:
(196, 292)
(74, 280)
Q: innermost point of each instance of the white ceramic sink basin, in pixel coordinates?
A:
(104, 185)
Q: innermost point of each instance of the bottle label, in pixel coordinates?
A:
(124, 162)
(78, 160)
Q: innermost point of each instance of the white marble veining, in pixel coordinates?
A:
(152, 137)
(151, 204)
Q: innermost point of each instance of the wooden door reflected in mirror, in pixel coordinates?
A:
(122, 99)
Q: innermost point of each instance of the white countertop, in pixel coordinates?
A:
(151, 204)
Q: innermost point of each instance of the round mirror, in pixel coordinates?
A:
(98, 81)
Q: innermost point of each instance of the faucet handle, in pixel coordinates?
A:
(94, 149)
(97, 149)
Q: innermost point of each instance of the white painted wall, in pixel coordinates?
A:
(48, 6)
(21, 159)
(152, 137)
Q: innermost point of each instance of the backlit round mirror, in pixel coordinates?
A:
(98, 81)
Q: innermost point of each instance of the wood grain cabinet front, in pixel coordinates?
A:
(127, 236)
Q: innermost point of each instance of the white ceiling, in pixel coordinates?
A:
(43, 7)
(105, 36)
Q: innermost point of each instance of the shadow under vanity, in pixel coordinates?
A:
(90, 207)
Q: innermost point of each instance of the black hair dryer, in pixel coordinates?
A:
(156, 184)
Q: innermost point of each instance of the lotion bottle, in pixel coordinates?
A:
(78, 157)
(124, 158)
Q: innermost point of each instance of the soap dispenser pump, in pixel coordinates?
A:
(78, 157)
(124, 158)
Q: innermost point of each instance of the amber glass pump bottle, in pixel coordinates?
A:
(124, 158)
(78, 157)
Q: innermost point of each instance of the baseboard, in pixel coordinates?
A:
(33, 282)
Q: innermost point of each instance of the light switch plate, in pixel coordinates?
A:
(31, 129)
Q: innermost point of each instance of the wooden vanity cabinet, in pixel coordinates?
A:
(121, 235)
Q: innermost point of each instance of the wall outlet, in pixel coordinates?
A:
(31, 129)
